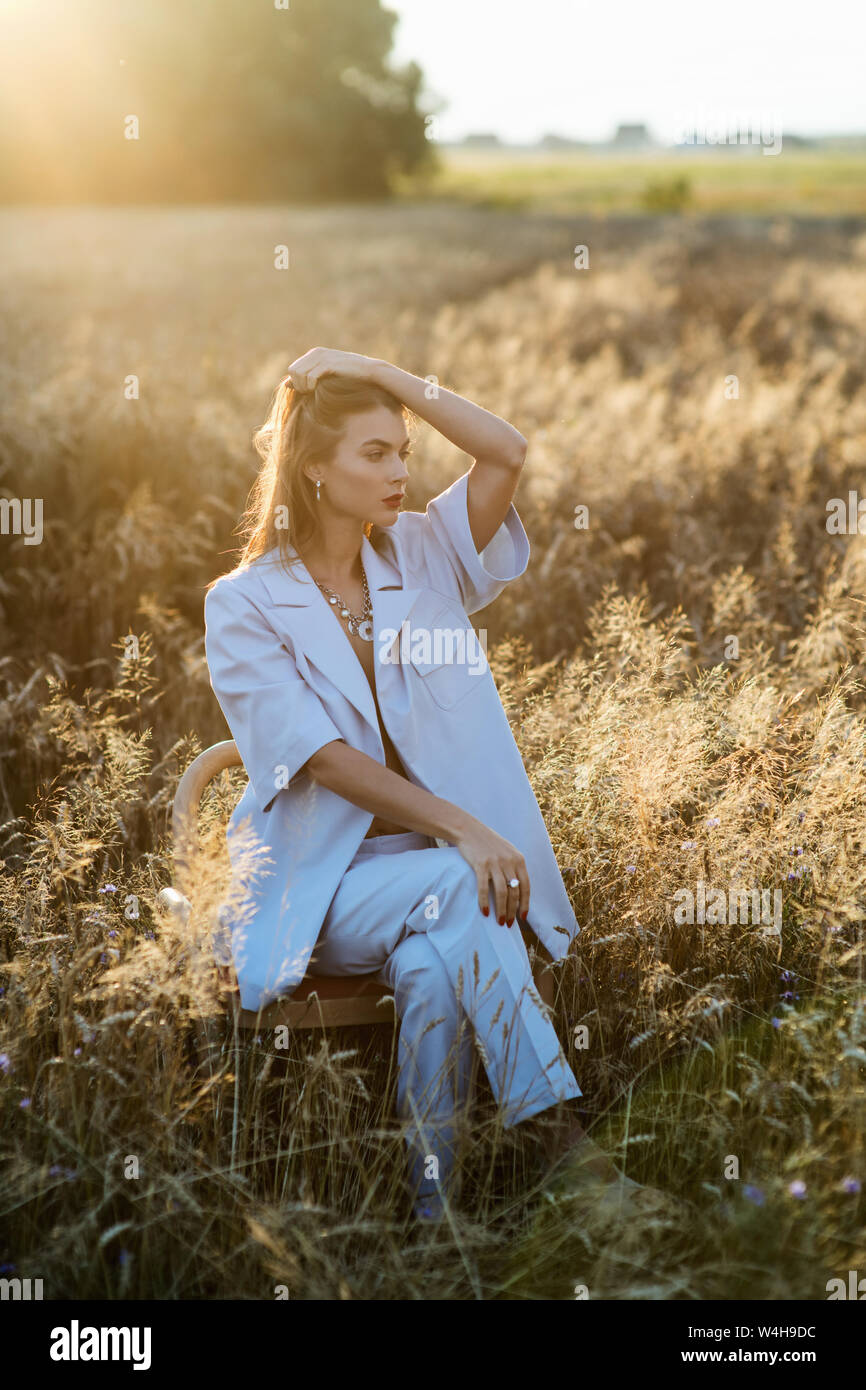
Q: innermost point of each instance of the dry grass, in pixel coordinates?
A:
(658, 758)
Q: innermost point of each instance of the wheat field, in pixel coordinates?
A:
(683, 667)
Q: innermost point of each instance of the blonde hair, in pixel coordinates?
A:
(302, 427)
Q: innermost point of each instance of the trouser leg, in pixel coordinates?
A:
(365, 933)
(492, 978)
(436, 1056)
(384, 902)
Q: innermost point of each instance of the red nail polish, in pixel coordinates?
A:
(511, 921)
(502, 921)
(486, 911)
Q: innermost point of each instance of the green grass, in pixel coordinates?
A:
(797, 181)
(726, 1127)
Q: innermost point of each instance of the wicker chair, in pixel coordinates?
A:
(319, 1001)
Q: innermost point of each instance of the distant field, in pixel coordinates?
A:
(796, 181)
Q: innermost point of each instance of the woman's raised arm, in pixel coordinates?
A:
(499, 450)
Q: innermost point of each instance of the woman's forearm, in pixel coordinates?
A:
(372, 786)
(473, 429)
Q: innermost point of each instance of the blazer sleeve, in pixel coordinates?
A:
(276, 719)
(439, 550)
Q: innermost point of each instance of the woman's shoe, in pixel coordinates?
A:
(585, 1170)
(584, 1161)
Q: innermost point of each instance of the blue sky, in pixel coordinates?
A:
(580, 69)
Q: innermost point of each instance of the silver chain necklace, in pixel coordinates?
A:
(359, 624)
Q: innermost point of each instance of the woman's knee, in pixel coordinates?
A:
(455, 886)
(415, 965)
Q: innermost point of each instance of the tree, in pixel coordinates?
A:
(235, 99)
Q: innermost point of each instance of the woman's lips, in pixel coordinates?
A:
(393, 501)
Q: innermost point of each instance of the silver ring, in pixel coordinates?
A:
(514, 883)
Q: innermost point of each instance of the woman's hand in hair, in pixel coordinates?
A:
(305, 371)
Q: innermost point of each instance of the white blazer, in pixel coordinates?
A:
(288, 681)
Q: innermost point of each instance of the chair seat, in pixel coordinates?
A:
(324, 1001)
(340, 987)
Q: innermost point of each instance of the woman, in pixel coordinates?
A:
(385, 783)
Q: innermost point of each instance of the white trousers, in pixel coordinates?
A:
(408, 911)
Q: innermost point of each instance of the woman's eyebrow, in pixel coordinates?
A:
(385, 443)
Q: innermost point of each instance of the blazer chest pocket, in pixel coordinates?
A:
(447, 654)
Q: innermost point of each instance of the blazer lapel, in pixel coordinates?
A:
(319, 632)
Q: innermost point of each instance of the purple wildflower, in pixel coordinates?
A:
(797, 1188)
(753, 1194)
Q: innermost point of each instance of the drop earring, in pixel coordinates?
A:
(318, 491)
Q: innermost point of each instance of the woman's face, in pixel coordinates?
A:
(368, 475)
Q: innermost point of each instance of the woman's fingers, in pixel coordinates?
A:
(512, 896)
(522, 876)
(511, 901)
(501, 891)
(306, 371)
(303, 371)
(304, 381)
(494, 904)
(506, 902)
(483, 890)
(501, 864)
